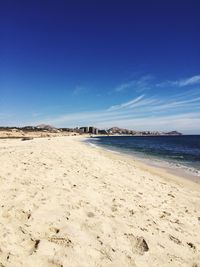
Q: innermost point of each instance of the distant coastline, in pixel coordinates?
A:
(44, 130)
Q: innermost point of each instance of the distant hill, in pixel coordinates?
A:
(111, 131)
(173, 133)
(117, 130)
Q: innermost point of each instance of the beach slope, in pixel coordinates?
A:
(65, 203)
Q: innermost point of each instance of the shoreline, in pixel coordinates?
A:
(164, 172)
(172, 168)
(64, 203)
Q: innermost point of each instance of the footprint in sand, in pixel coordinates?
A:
(53, 263)
(35, 245)
(165, 214)
(175, 240)
(191, 245)
(54, 230)
(18, 214)
(139, 244)
(62, 241)
(90, 214)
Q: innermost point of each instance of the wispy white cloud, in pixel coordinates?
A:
(186, 123)
(180, 111)
(194, 80)
(137, 85)
(128, 104)
(189, 81)
(140, 113)
(124, 86)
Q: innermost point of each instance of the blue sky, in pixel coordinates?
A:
(133, 64)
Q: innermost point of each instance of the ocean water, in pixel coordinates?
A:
(181, 152)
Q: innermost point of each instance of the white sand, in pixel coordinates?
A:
(64, 203)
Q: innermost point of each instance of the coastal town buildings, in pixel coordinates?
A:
(91, 130)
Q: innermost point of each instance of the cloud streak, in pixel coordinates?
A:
(191, 81)
(140, 113)
(128, 104)
(139, 85)
(145, 111)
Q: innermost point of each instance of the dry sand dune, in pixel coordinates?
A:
(64, 203)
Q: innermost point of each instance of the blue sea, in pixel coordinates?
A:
(176, 151)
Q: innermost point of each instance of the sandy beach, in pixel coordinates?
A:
(66, 204)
